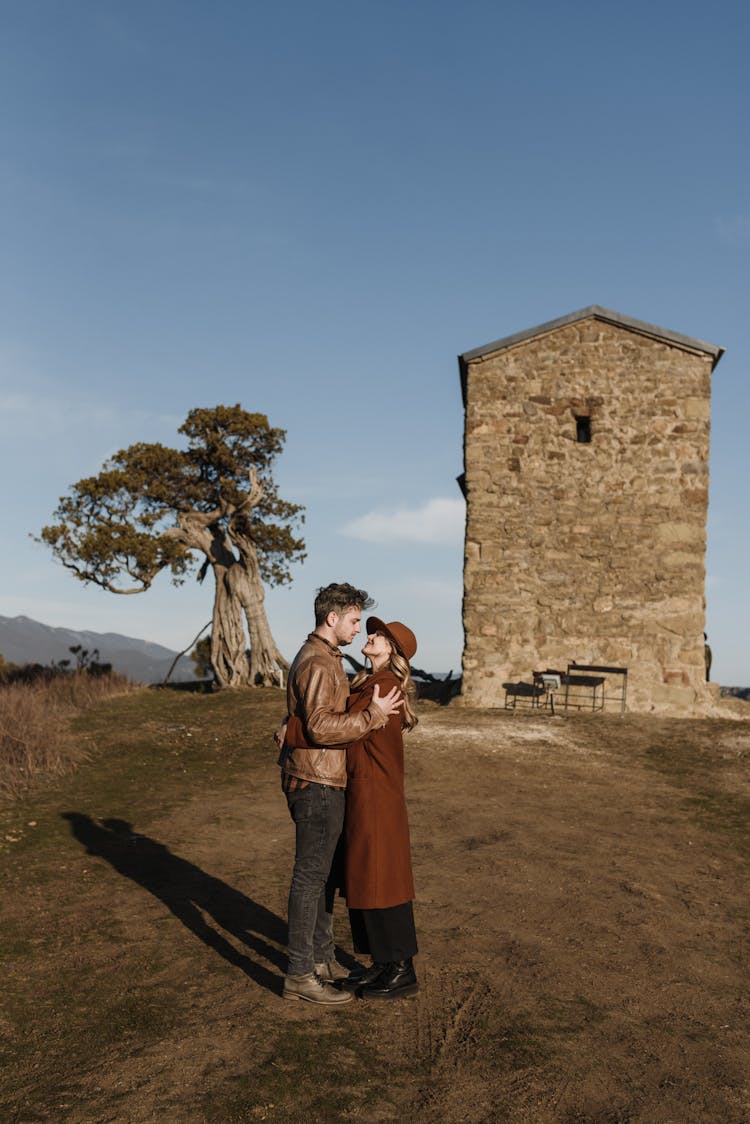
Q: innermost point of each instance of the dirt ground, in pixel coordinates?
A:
(582, 911)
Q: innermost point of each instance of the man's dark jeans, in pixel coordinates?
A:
(318, 814)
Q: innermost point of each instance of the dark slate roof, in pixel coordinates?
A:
(596, 312)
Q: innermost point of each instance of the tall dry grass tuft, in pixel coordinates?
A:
(35, 732)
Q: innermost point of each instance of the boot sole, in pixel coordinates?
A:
(402, 993)
(317, 1002)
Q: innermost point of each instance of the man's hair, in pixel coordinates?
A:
(337, 598)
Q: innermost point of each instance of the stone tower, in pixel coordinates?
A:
(586, 481)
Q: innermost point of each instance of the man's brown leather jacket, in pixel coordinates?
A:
(316, 693)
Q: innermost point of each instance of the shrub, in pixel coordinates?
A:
(35, 718)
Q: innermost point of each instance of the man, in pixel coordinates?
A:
(314, 781)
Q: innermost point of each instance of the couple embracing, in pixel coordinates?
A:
(342, 768)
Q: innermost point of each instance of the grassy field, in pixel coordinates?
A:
(582, 911)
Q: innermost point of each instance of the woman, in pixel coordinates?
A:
(378, 883)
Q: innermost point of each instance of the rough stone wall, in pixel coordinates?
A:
(588, 552)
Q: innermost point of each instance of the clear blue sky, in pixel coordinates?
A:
(311, 208)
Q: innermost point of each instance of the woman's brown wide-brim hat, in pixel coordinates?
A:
(400, 636)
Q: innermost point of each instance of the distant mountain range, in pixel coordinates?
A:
(23, 640)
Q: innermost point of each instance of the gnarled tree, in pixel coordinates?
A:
(213, 504)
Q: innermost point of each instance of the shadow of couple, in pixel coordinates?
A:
(192, 895)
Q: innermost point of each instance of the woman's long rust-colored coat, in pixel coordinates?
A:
(378, 870)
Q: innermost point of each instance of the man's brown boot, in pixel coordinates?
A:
(314, 990)
(331, 971)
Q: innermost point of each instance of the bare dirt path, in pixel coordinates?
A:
(582, 911)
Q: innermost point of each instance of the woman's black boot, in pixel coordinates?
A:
(358, 977)
(397, 981)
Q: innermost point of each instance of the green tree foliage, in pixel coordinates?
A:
(212, 505)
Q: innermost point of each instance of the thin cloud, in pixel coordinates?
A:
(734, 231)
(439, 520)
(435, 592)
(32, 416)
(41, 413)
(16, 403)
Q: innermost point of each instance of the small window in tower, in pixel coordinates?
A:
(583, 430)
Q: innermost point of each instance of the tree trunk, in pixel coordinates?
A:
(228, 645)
(237, 592)
(239, 589)
(266, 661)
(203, 531)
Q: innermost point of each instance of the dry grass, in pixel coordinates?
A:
(582, 914)
(35, 718)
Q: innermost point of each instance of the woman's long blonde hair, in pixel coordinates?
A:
(400, 668)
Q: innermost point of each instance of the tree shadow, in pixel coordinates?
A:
(190, 894)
